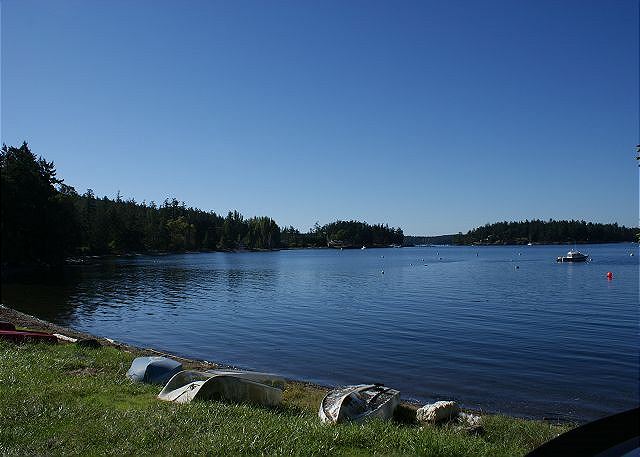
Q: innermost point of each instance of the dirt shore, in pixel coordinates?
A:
(27, 321)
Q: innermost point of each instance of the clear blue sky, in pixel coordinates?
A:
(436, 116)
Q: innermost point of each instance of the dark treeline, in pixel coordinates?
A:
(418, 240)
(357, 234)
(344, 234)
(44, 221)
(537, 231)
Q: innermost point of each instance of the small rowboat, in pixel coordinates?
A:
(359, 403)
(234, 386)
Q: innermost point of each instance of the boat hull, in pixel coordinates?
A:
(153, 370)
(572, 259)
(358, 404)
(188, 386)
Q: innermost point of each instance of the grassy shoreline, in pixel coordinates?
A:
(64, 399)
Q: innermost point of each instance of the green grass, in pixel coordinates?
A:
(68, 400)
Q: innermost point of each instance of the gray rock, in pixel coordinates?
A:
(89, 343)
(438, 411)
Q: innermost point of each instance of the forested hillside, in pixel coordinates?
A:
(537, 231)
(45, 220)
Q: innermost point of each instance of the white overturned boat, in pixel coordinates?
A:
(230, 385)
(359, 403)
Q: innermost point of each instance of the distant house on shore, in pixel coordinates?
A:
(339, 244)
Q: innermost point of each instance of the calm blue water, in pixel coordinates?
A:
(463, 323)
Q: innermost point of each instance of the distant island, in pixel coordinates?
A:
(546, 232)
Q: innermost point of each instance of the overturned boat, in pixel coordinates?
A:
(359, 403)
(153, 370)
(230, 385)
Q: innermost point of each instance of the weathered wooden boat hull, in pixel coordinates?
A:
(358, 404)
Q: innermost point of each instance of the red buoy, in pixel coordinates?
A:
(609, 275)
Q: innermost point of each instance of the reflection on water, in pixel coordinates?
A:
(498, 328)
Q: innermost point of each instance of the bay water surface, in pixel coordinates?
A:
(501, 329)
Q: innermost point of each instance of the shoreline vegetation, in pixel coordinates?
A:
(546, 232)
(87, 395)
(46, 222)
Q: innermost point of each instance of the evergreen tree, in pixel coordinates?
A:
(38, 222)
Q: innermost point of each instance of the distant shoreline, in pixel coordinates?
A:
(550, 243)
(9, 271)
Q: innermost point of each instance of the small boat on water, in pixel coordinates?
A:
(573, 256)
(358, 403)
(236, 386)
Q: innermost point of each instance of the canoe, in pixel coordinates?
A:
(27, 336)
(359, 403)
(153, 370)
(233, 386)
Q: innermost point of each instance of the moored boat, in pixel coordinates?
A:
(573, 256)
(359, 403)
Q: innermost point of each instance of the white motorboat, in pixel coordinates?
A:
(573, 256)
